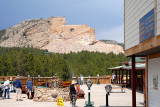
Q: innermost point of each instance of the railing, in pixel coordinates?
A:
(102, 80)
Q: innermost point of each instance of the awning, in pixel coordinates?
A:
(139, 67)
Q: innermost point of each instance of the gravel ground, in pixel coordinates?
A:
(98, 95)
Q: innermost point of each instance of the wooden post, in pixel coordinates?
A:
(122, 77)
(141, 80)
(146, 78)
(133, 82)
(119, 77)
(136, 78)
(116, 78)
(126, 77)
(111, 78)
(130, 79)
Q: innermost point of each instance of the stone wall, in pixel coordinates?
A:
(51, 94)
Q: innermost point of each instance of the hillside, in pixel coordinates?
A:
(112, 42)
(54, 35)
(32, 61)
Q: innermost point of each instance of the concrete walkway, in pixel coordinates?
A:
(98, 95)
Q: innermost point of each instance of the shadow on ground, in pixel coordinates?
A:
(120, 106)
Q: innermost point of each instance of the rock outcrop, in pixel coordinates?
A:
(54, 35)
(113, 42)
(51, 94)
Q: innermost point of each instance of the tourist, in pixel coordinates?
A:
(29, 87)
(73, 90)
(78, 88)
(7, 87)
(1, 90)
(77, 80)
(18, 88)
(82, 80)
(113, 78)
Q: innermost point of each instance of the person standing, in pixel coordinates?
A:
(18, 88)
(29, 87)
(7, 87)
(113, 78)
(82, 80)
(77, 88)
(77, 80)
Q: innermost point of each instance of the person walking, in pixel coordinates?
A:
(18, 87)
(29, 87)
(7, 87)
(82, 80)
(73, 91)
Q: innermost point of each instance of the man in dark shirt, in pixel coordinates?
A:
(73, 90)
(29, 87)
(18, 87)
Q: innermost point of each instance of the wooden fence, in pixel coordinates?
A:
(102, 80)
(42, 80)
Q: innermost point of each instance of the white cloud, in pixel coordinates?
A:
(116, 33)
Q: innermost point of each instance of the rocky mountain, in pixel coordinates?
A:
(54, 35)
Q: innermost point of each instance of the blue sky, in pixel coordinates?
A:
(105, 16)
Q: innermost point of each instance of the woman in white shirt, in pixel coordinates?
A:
(6, 85)
(113, 78)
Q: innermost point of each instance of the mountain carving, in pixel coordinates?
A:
(54, 35)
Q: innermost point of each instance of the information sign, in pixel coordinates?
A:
(146, 26)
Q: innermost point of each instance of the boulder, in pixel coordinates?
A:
(54, 94)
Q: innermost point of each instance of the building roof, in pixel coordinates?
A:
(139, 67)
(116, 68)
(138, 59)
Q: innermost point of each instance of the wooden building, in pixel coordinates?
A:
(142, 38)
(123, 74)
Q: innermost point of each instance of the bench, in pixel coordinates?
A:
(122, 89)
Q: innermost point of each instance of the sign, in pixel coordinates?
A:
(155, 82)
(146, 26)
(60, 102)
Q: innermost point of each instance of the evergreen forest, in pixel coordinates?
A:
(31, 61)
